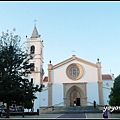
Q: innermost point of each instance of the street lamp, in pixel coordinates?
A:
(23, 102)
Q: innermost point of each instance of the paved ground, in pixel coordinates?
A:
(99, 115)
(73, 115)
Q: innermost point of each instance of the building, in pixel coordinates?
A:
(73, 80)
(34, 46)
(107, 80)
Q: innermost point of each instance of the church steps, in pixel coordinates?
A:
(76, 109)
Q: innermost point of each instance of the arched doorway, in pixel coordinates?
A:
(74, 98)
(76, 94)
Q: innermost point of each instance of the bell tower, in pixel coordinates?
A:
(34, 46)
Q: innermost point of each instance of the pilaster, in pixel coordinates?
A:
(100, 89)
(50, 67)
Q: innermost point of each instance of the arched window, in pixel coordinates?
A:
(32, 66)
(32, 49)
(31, 80)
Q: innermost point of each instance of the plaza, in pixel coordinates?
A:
(74, 115)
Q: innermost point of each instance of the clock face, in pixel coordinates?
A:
(74, 71)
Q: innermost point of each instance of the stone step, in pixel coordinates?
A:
(76, 109)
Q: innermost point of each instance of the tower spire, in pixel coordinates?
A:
(35, 32)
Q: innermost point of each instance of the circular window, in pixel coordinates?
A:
(74, 71)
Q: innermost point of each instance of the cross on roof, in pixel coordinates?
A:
(73, 51)
(35, 21)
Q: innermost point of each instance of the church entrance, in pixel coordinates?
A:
(78, 102)
(75, 94)
(74, 98)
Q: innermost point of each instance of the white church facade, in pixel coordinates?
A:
(73, 80)
(76, 80)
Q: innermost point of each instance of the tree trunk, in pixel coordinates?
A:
(7, 112)
(23, 110)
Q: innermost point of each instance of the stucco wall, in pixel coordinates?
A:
(107, 84)
(38, 58)
(36, 102)
(44, 97)
(57, 92)
(89, 74)
(36, 78)
(36, 42)
(92, 92)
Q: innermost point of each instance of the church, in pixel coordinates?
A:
(73, 81)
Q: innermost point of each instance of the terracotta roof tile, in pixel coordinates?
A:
(106, 77)
(45, 79)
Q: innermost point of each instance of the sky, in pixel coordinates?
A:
(91, 29)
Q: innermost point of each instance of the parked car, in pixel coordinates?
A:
(5, 109)
(19, 108)
(1, 110)
(14, 109)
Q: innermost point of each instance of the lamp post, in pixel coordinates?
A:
(23, 98)
(0, 78)
(33, 107)
(23, 103)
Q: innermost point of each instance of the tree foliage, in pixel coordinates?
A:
(15, 87)
(115, 93)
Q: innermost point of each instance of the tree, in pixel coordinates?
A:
(29, 95)
(115, 93)
(14, 66)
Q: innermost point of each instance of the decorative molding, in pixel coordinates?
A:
(80, 88)
(77, 59)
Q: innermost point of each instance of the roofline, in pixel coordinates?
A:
(74, 58)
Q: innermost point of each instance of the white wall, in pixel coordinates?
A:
(57, 90)
(89, 74)
(36, 78)
(38, 58)
(107, 84)
(38, 61)
(44, 97)
(45, 83)
(36, 102)
(92, 92)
